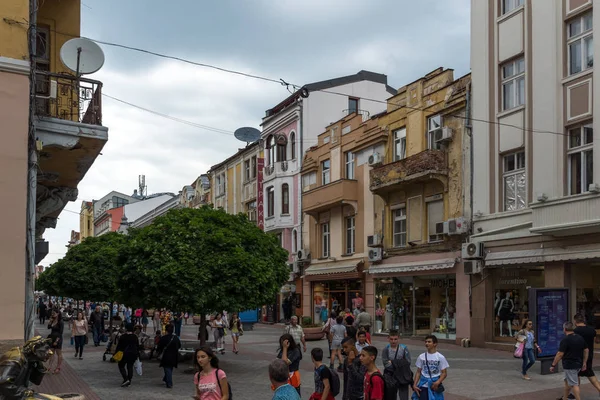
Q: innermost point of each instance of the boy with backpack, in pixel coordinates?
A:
(327, 381)
(374, 384)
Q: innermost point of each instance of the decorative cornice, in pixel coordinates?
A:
(14, 66)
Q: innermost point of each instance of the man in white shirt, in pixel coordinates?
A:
(296, 331)
(431, 370)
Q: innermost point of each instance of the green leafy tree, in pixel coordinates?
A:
(47, 282)
(202, 260)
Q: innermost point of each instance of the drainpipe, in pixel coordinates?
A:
(299, 186)
(469, 131)
(29, 317)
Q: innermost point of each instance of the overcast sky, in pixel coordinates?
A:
(301, 41)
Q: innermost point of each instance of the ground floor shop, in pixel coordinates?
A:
(420, 295)
(500, 295)
(332, 287)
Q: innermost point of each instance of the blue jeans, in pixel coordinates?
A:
(168, 378)
(528, 360)
(97, 331)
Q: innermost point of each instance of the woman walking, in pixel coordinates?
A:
(327, 329)
(525, 335)
(79, 333)
(57, 327)
(235, 326)
(144, 320)
(169, 345)
(337, 334)
(291, 354)
(210, 381)
(129, 345)
(219, 332)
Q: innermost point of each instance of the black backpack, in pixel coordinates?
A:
(335, 382)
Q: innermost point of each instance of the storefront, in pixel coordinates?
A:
(332, 287)
(419, 298)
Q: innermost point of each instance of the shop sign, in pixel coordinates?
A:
(260, 165)
(442, 283)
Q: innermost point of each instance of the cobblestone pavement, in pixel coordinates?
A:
(473, 374)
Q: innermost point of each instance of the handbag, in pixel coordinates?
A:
(85, 339)
(118, 356)
(441, 388)
(159, 356)
(519, 350)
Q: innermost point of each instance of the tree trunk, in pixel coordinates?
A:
(202, 329)
(110, 316)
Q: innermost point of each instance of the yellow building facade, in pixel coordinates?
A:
(86, 219)
(416, 275)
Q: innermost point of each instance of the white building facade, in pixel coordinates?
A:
(536, 158)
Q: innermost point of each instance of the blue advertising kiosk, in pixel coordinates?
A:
(249, 318)
(549, 310)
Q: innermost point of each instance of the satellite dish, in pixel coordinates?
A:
(247, 134)
(82, 56)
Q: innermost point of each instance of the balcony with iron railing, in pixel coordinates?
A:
(68, 98)
(365, 114)
(280, 168)
(418, 168)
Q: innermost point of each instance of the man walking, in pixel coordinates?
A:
(574, 353)
(97, 322)
(296, 331)
(588, 334)
(42, 312)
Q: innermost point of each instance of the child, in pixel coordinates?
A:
(156, 340)
(373, 384)
(354, 371)
(367, 335)
(322, 377)
(362, 341)
(431, 372)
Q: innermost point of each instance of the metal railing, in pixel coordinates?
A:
(365, 114)
(66, 97)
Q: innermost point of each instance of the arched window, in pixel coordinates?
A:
(292, 145)
(285, 199)
(271, 149)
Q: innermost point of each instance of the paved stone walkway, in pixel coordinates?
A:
(474, 374)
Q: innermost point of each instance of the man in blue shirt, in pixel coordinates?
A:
(279, 375)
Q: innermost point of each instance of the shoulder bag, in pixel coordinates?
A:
(159, 356)
(441, 387)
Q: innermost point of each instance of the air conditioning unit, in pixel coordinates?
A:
(373, 240)
(441, 228)
(446, 135)
(375, 159)
(457, 226)
(303, 254)
(473, 266)
(375, 254)
(473, 250)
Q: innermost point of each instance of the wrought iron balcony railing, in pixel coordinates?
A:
(68, 98)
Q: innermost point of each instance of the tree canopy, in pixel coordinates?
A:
(202, 260)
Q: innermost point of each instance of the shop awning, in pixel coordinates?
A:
(540, 256)
(330, 268)
(414, 266)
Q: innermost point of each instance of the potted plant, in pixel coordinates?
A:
(311, 331)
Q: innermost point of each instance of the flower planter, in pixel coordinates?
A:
(313, 333)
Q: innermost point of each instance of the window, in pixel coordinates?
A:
(254, 167)
(350, 235)
(325, 240)
(325, 172)
(309, 180)
(270, 201)
(251, 211)
(294, 241)
(247, 171)
(280, 239)
(292, 146)
(580, 159)
(513, 84)
(580, 44)
(399, 227)
(218, 185)
(434, 132)
(435, 214)
(349, 165)
(271, 149)
(281, 150)
(119, 202)
(509, 5)
(514, 181)
(399, 144)
(352, 105)
(285, 199)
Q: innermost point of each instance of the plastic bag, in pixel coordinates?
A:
(138, 367)
(519, 350)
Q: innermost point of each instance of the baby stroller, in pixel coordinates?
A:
(111, 346)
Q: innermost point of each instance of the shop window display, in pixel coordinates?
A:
(335, 296)
(510, 303)
(586, 280)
